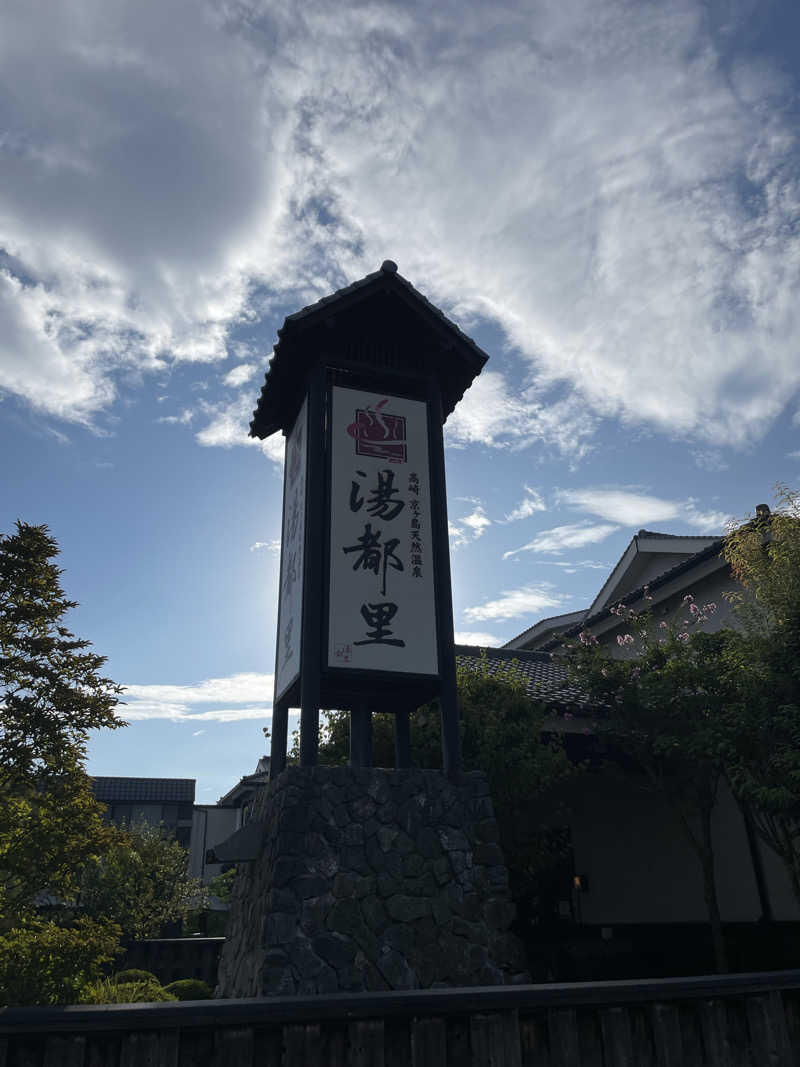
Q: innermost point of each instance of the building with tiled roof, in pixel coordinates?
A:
(654, 573)
(167, 802)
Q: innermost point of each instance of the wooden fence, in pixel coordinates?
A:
(732, 1021)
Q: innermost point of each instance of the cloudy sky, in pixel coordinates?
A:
(604, 194)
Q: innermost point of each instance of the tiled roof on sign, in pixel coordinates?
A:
(144, 790)
(546, 679)
(388, 267)
(458, 358)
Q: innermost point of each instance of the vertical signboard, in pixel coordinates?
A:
(290, 604)
(382, 608)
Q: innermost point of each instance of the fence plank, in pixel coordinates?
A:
(65, 1051)
(366, 1043)
(234, 1047)
(615, 1025)
(768, 1032)
(3, 1051)
(562, 1025)
(534, 1044)
(429, 1043)
(303, 1046)
(458, 1043)
(590, 1040)
(714, 1021)
(494, 1040)
(102, 1050)
(336, 1048)
(667, 1036)
(642, 1036)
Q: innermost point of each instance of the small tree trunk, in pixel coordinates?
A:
(710, 895)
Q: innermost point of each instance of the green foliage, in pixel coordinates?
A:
(133, 974)
(43, 963)
(140, 881)
(51, 695)
(762, 721)
(663, 704)
(221, 886)
(108, 991)
(190, 989)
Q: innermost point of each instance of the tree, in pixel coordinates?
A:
(51, 695)
(762, 721)
(140, 882)
(503, 734)
(662, 707)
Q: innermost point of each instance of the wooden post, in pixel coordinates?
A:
(402, 739)
(360, 735)
(311, 656)
(451, 745)
(279, 737)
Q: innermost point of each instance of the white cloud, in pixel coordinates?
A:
(513, 603)
(197, 733)
(239, 375)
(559, 538)
(240, 696)
(229, 427)
(638, 247)
(710, 459)
(621, 506)
(477, 521)
(529, 505)
(641, 510)
(270, 546)
(183, 419)
(476, 637)
(492, 414)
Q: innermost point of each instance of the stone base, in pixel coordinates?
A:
(371, 879)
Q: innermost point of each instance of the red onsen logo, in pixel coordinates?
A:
(379, 434)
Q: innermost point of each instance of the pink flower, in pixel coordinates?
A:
(636, 672)
(662, 626)
(647, 595)
(568, 715)
(688, 598)
(604, 672)
(683, 637)
(709, 609)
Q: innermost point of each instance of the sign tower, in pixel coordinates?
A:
(361, 383)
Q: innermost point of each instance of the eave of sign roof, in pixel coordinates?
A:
(265, 421)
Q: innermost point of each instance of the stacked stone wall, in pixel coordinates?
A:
(371, 880)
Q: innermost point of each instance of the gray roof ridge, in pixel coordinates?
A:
(654, 583)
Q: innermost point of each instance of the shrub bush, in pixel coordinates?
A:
(134, 974)
(190, 989)
(43, 963)
(109, 991)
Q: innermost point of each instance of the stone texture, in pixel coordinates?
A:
(371, 879)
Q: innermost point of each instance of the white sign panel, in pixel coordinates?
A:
(382, 605)
(290, 605)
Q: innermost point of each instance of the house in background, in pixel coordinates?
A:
(155, 801)
(636, 883)
(654, 573)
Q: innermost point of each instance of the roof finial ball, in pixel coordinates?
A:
(389, 266)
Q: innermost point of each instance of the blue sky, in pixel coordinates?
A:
(605, 196)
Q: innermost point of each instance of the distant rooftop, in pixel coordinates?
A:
(546, 679)
(144, 790)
